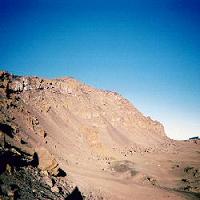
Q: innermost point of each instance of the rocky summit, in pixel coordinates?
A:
(67, 140)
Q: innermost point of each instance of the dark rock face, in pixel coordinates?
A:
(21, 179)
(7, 129)
(75, 195)
(27, 183)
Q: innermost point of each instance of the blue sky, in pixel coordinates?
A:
(148, 51)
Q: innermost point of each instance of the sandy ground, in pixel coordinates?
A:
(149, 176)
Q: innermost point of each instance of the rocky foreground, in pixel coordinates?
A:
(62, 139)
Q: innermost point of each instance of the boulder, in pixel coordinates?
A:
(16, 86)
(47, 161)
(55, 189)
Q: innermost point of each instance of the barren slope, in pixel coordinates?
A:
(100, 139)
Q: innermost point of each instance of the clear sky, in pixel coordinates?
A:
(148, 51)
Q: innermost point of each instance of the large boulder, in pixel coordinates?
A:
(47, 161)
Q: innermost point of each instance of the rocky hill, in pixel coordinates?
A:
(90, 138)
